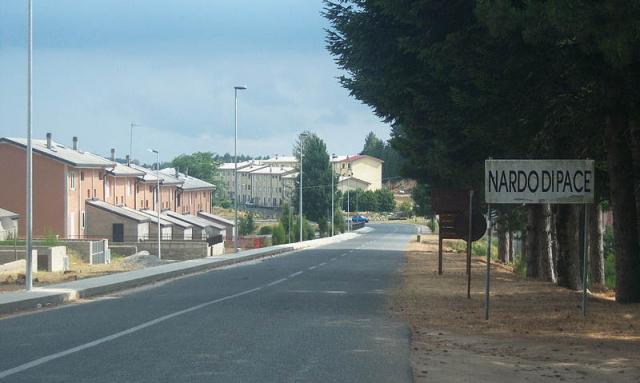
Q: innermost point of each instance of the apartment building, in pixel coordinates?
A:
(66, 179)
(63, 178)
(120, 184)
(192, 195)
(361, 170)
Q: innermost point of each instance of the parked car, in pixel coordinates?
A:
(358, 218)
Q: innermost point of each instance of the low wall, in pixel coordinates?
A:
(52, 258)
(217, 249)
(8, 255)
(174, 250)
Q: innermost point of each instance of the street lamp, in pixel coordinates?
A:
(235, 160)
(333, 193)
(157, 195)
(131, 126)
(29, 272)
(303, 136)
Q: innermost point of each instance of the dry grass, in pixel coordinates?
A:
(77, 270)
(523, 311)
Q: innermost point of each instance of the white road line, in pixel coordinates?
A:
(296, 274)
(276, 282)
(322, 264)
(333, 259)
(57, 355)
(311, 267)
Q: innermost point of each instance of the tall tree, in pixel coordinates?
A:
(316, 177)
(461, 81)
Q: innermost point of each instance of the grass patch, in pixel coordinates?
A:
(478, 248)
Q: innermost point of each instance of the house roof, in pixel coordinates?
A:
(345, 179)
(149, 175)
(175, 221)
(62, 153)
(275, 170)
(152, 217)
(119, 210)
(354, 157)
(252, 168)
(232, 165)
(195, 221)
(121, 170)
(216, 218)
(8, 214)
(188, 182)
(281, 159)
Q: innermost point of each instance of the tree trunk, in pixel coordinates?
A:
(569, 273)
(532, 242)
(623, 203)
(510, 253)
(596, 249)
(503, 243)
(546, 265)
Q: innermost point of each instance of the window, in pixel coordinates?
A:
(150, 188)
(106, 189)
(72, 180)
(178, 200)
(128, 187)
(82, 221)
(81, 176)
(94, 193)
(88, 193)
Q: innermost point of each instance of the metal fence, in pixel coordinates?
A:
(99, 252)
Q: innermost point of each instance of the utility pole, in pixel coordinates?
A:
(29, 223)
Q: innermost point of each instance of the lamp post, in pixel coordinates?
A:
(333, 193)
(235, 160)
(29, 196)
(158, 196)
(303, 136)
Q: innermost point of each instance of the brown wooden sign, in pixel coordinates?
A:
(452, 206)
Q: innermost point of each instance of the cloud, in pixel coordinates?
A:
(181, 90)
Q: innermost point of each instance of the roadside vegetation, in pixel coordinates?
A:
(461, 82)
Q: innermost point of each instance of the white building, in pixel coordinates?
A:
(271, 182)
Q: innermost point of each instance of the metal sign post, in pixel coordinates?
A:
(488, 276)
(584, 261)
(469, 241)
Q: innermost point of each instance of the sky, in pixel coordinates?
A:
(170, 66)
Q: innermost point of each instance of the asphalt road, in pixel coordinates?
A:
(317, 315)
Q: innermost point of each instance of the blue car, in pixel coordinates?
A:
(359, 219)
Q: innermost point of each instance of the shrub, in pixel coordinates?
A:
(265, 230)
(278, 234)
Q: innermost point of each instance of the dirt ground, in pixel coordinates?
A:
(536, 332)
(77, 270)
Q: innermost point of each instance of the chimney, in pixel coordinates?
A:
(113, 154)
(49, 140)
(128, 160)
(75, 143)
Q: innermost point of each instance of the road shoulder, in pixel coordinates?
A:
(536, 332)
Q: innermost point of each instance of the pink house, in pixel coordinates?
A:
(63, 178)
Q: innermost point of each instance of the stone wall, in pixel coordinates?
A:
(174, 250)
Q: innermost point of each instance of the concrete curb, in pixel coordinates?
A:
(66, 292)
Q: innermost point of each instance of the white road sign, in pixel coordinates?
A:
(539, 181)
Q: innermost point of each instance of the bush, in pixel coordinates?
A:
(278, 234)
(246, 225)
(265, 230)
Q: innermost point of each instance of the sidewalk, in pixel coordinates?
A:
(66, 292)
